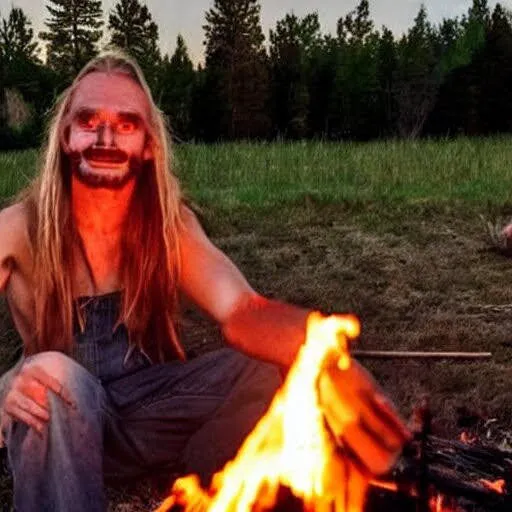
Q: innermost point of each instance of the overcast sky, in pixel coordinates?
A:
(187, 16)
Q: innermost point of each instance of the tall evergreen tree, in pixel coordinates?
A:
(236, 62)
(387, 64)
(496, 101)
(133, 29)
(325, 61)
(17, 37)
(479, 11)
(356, 90)
(291, 46)
(462, 95)
(418, 80)
(177, 86)
(357, 26)
(22, 71)
(18, 51)
(74, 31)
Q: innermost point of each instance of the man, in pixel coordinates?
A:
(93, 260)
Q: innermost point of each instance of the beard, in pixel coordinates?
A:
(113, 170)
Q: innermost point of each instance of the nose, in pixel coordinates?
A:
(105, 135)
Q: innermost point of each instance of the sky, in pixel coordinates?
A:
(186, 17)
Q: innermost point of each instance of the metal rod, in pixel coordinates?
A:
(398, 354)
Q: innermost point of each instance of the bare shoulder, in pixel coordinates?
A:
(13, 224)
(14, 233)
(208, 277)
(189, 218)
(191, 227)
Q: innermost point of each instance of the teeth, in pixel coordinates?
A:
(105, 163)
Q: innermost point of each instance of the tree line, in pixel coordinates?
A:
(360, 83)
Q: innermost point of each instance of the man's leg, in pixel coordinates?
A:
(218, 440)
(62, 469)
(186, 417)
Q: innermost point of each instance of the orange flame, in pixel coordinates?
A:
(440, 503)
(290, 446)
(436, 503)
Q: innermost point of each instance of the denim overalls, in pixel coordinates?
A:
(131, 417)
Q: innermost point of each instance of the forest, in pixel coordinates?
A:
(362, 83)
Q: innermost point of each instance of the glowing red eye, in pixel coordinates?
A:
(126, 127)
(88, 120)
(128, 123)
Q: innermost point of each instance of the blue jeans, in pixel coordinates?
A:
(132, 417)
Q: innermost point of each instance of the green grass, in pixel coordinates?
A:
(268, 175)
(16, 170)
(261, 175)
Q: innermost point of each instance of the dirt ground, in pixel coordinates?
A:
(420, 278)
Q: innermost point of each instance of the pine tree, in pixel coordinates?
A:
(18, 52)
(419, 78)
(496, 103)
(133, 29)
(74, 30)
(236, 64)
(479, 11)
(356, 95)
(357, 25)
(292, 43)
(386, 73)
(324, 65)
(22, 71)
(177, 85)
(17, 37)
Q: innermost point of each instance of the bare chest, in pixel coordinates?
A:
(97, 267)
(20, 297)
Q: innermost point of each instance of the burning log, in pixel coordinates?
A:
(466, 474)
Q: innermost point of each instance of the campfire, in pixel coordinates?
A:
(291, 447)
(294, 455)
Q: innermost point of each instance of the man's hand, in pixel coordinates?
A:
(27, 399)
(361, 418)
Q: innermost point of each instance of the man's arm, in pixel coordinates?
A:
(357, 410)
(14, 248)
(264, 328)
(9, 220)
(11, 226)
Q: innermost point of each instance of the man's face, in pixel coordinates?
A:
(106, 136)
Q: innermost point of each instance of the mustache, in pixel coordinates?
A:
(136, 165)
(107, 155)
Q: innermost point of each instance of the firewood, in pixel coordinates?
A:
(455, 469)
(404, 354)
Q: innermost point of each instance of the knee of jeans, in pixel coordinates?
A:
(81, 386)
(265, 377)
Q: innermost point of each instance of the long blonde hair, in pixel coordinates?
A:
(149, 270)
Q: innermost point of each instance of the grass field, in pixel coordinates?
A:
(404, 234)
(262, 175)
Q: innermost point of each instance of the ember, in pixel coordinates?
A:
(496, 486)
(440, 504)
(468, 438)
